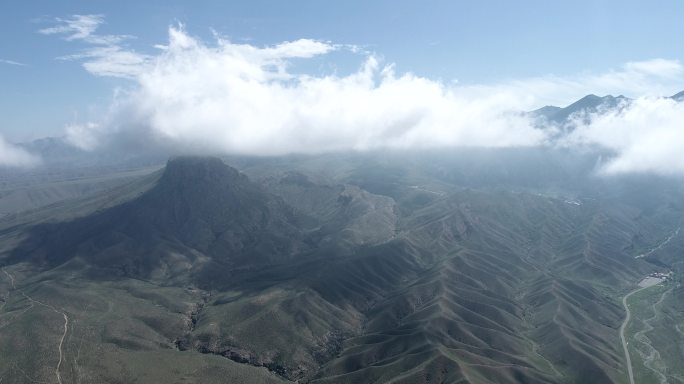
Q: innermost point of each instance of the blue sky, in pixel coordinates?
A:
(482, 42)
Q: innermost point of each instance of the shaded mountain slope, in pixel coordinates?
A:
(200, 211)
(343, 213)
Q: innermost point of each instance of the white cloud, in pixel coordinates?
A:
(105, 56)
(111, 60)
(82, 27)
(647, 136)
(13, 156)
(83, 135)
(660, 67)
(657, 77)
(242, 98)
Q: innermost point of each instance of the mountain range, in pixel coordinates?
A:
(585, 106)
(483, 266)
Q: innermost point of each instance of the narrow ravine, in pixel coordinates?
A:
(10, 277)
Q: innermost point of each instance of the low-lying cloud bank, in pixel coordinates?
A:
(647, 136)
(13, 156)
(240, 98)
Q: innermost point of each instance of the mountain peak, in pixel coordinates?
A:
(678, 97)
(196, 168)
(199, 204)
(591, 97)
(203, 182)
(588, 104)
(588, 101)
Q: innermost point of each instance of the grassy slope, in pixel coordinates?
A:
(119, 332)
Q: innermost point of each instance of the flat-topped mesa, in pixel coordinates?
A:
(200, 169)
(198, 206)
(205, 191)
(207, 188)
(201, 200)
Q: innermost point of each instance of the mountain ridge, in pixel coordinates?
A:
(586, 105)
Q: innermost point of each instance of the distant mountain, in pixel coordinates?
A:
(581, 108)
(586, 105)
(678, 97)
(68, 172)
(51, 147)
(58, 154)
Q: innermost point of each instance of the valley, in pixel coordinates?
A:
(646, 283)
(653, 339)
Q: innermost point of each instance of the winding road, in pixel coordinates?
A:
(66, 323)
(628, 360)
(622, 333)
(623, 327)
(642, 338)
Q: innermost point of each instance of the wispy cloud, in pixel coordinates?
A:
(106, 55)
(77, 27)
(12, 62)
(83, 27)
(13, 156)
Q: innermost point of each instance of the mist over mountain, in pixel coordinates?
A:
(576, 127)
(192, 95)
(587, 105)
(556, 123)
